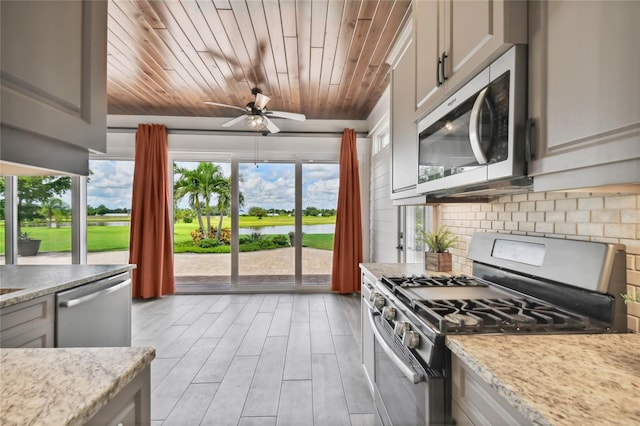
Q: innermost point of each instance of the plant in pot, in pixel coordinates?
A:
(630, 299)
(27, 246)
(437, 257)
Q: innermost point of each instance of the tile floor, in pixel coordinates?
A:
(255, 359)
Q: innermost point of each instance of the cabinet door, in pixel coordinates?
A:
(404, 131)
(54, 72)
(28, 324)
(429, 45)
(477, 32)
(583, 87)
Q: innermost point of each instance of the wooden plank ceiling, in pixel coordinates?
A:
(321, 58)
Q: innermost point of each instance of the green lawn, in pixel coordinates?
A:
(106, 238)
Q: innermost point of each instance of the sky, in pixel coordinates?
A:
(266, 185)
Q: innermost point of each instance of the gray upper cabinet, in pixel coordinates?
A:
(404, 130)
(53, 85)
(584, 94)
(455, 39)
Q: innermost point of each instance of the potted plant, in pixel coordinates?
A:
(27, 246)
(628, 299)
(437, 257)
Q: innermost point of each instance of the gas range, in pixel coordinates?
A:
(469, 305)
(519, 284)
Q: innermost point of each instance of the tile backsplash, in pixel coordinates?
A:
(612, 218)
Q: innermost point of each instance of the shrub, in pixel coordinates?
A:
(280, 240)
(187, 220)
(255, 236)
(196, 236)
(207, 243)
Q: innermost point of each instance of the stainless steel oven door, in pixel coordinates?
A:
(405, 393)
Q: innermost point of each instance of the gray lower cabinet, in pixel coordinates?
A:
(29, 324)
(477, 403)
(131, 406)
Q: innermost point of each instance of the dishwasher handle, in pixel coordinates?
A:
(91, 296)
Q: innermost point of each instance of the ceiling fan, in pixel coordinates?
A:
(256, 115)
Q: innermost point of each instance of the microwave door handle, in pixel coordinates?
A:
(397, 361)
(474, 128)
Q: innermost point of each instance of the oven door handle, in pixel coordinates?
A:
(393, 356)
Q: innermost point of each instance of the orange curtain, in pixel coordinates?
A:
(150, 239)
(347, 244)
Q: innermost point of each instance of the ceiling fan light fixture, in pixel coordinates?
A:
(256, 122)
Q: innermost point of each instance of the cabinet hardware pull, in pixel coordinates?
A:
(438, 82)
(444, 67)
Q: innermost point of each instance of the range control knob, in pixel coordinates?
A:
(411, 339)
(401, 328)
(378, 301)
(372, 295)
(389, 313)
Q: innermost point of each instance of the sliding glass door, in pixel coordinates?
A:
(266, 224)
(201, 225)
(319, 203)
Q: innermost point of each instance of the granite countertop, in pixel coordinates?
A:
(64, 386)
(560, 379)
(40, 280)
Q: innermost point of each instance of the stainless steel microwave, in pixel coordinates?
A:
(474, 142)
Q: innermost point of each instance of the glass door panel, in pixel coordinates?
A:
(319, 202)
(202, 225)
(266, 219)
(44, 220)
(109, 189)
(414, 223)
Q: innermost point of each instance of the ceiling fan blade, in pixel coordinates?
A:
(271, 126)
(289, 115)
(261, 100)
(224, 105)
(234, 121)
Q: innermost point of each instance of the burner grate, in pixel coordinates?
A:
(498, 315)
(434, 281)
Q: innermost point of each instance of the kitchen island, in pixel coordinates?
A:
(73, 386)
(32, 281)
(559, 379)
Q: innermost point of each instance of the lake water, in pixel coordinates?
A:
(265, 230)
(284, 229)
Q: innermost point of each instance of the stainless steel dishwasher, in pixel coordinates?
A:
(95, 314)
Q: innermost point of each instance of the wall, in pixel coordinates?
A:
(609, 218)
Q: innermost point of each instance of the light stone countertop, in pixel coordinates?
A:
(40, 280)
(577, 379)
(64, 386)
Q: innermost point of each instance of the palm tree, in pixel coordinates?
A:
(188, 185)
(199, 185)
(54, 207)
(223, 190)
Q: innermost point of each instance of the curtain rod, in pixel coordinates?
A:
(123, 129)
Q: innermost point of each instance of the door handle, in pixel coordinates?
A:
(91, 296)
(412, 375)
(444, 67)
(474, 128)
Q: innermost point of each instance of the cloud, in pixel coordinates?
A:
(269, 185)
(110, 183)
